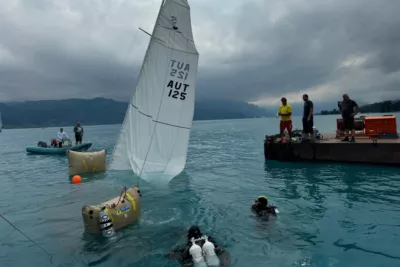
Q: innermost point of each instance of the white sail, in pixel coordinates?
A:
(155, 133)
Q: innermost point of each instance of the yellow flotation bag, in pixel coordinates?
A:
(121, 211)
(84, 162)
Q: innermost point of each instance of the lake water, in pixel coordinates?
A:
(331, 214)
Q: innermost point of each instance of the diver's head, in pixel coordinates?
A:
(260, 202)
(194, 231)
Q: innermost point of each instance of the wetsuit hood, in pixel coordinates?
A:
(263, 201)
(194, 231)
(260, 203)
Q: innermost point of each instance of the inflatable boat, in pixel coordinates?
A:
(57, 150)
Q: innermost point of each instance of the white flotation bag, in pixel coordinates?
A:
(209, 253)
(197, 254)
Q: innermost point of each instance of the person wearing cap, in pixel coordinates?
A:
(285, 112)
(78, 130)
(261, 207)
(182, 253)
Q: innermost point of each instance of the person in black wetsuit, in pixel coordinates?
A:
(185, 259)
(261, 207)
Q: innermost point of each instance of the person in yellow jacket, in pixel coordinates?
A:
(285, 112)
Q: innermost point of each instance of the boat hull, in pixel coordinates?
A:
(57, 150)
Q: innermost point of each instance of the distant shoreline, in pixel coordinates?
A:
(102, 111)
(7, 127)
(366, 113)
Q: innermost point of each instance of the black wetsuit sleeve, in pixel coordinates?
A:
(186, 254)
(263, 213)
(177, 252)
(267, 211)
(272, 210)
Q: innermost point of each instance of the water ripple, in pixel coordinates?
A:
(321, 205)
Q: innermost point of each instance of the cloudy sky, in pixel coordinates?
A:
(250, 50)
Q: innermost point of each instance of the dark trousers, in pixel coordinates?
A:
(78, 138)
(348, 123)
(60, 144)
(308, 125)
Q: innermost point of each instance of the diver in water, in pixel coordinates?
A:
(185, 254)
(261, 207)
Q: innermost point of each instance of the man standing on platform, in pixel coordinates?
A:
(308, 119)
(346, 108)
(285, 112)
(78, 130)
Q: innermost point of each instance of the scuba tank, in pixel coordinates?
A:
(197, 254)
(106, 226)
(209, 253)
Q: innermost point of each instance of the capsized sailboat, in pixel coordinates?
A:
(154, 136)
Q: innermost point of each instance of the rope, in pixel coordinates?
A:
(129, 106)
(27, 237)
(122, 192)
(127, 111)
(134, 93)
(186, 60)
(159, 108)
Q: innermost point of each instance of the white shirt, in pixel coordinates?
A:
(61, 136)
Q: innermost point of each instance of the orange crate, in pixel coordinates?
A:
(375, 126)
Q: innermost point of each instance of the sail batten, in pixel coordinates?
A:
(178, 126)
(155, 133)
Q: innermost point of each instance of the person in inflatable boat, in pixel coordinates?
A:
(186, 256)
(261, 207)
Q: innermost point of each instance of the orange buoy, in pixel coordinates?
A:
(76, 179)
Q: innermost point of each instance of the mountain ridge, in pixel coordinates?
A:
(103, 111)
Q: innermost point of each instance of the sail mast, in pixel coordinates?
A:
(155, 126)
(140, 73)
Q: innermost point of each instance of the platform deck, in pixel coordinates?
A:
(331, 138)
(364, 150)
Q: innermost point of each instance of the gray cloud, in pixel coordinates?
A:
(249, 50)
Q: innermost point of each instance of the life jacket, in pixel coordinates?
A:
(53, 142)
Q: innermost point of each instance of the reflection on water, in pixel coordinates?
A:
(313, 191)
